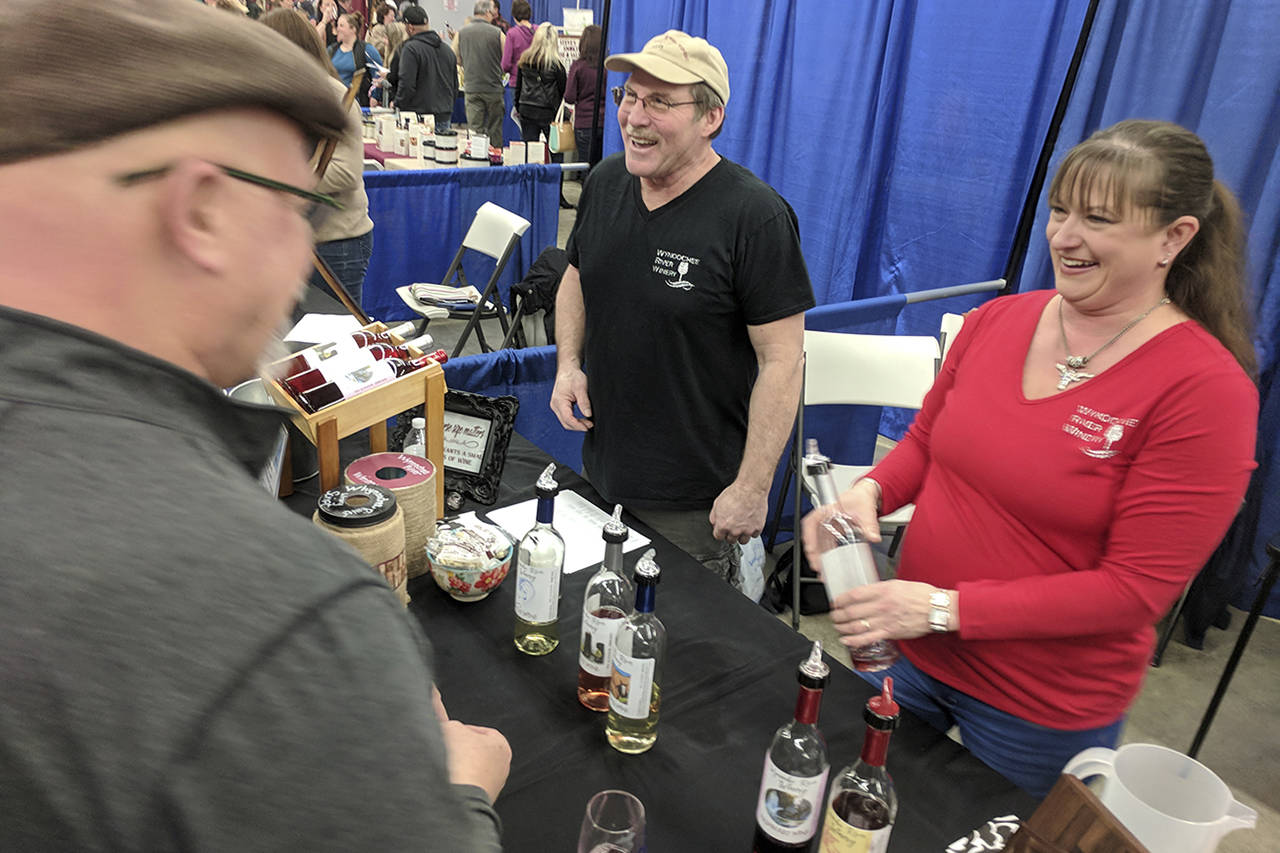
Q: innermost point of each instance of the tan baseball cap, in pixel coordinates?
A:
(105, 68)
(676, 57)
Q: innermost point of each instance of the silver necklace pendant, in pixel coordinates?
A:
(1071, 372)
(1068, 373)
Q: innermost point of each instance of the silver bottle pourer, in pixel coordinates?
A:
(814, 666)
(614, 529)
(646, 568)
(547, 480)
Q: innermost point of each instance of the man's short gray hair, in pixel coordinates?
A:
(705, 100)
(483, 7)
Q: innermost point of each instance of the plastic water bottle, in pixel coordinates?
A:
(415, 443)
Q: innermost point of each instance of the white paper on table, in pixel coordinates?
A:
(322, 328)
(577, 519)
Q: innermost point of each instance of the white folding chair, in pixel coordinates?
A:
(494, 232)
(951, 324)
(866, 370)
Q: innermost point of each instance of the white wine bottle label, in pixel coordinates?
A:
(321, 353)
(594, 653)
(789, 806)
(359, 377)
(631, 686)
(847, 566)
(840, 837)
(537, 590)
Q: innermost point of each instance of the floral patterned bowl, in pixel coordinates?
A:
(469, 561)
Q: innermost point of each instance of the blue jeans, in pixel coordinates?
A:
(1029, 755)
(349, 260)
(582, 138)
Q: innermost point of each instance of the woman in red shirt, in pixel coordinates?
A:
(1079, 457)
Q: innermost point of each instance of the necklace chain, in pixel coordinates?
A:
(1071, 371)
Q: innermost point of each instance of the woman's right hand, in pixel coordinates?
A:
(859, 502)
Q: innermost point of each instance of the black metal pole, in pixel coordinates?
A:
(1027, 219)
(597, 122)
(1264, 593)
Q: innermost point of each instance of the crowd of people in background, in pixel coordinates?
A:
(409, 65)
(358, 34)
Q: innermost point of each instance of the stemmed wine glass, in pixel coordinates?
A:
(613, 823)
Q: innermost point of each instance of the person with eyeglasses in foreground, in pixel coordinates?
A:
(188, 664)
(680, 318)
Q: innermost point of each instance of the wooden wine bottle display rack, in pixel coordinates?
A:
(370, 410)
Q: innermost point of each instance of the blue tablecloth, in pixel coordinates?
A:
(420, 218)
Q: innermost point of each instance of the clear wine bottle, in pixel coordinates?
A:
(608, 600)
(846, 557)
(639, 655)
(789, 805)
(863, 804)
(539, 566)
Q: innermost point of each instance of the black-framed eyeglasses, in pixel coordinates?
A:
(654, 105)
(316, 210)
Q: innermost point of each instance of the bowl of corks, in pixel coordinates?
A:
(469, 560)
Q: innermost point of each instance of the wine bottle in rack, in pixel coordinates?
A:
(789, 805)
(320, 353)
(364, 378)
(605, 604)
(328, 370)
(539, 564)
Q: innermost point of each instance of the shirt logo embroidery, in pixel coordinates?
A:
(1098, 430)
(671, 265)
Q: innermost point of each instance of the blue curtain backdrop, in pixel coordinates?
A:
(905, 133)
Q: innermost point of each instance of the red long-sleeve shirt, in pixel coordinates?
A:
(1068, 524)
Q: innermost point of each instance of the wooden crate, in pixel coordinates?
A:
(371, 410)
(1072, 820)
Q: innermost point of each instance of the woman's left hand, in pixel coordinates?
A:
(888, 610)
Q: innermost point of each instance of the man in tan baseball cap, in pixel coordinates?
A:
(194, 665)
(676, 57)
(698, 260)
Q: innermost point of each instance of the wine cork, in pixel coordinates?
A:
(412, 479)
(368, 519)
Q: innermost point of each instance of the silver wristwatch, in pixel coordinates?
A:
(939, 610)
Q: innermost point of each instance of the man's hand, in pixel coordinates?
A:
(478, 755)
(570, 388)
(738, 513)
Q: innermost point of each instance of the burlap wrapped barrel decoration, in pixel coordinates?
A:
(412, 479)
(369, 520)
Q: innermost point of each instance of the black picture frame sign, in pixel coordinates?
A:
(477, 430)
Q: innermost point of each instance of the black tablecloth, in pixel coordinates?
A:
(730, 682)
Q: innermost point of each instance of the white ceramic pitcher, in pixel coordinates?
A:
(1171, 803)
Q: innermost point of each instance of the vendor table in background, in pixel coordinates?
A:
(730, 682)
(420, 218)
